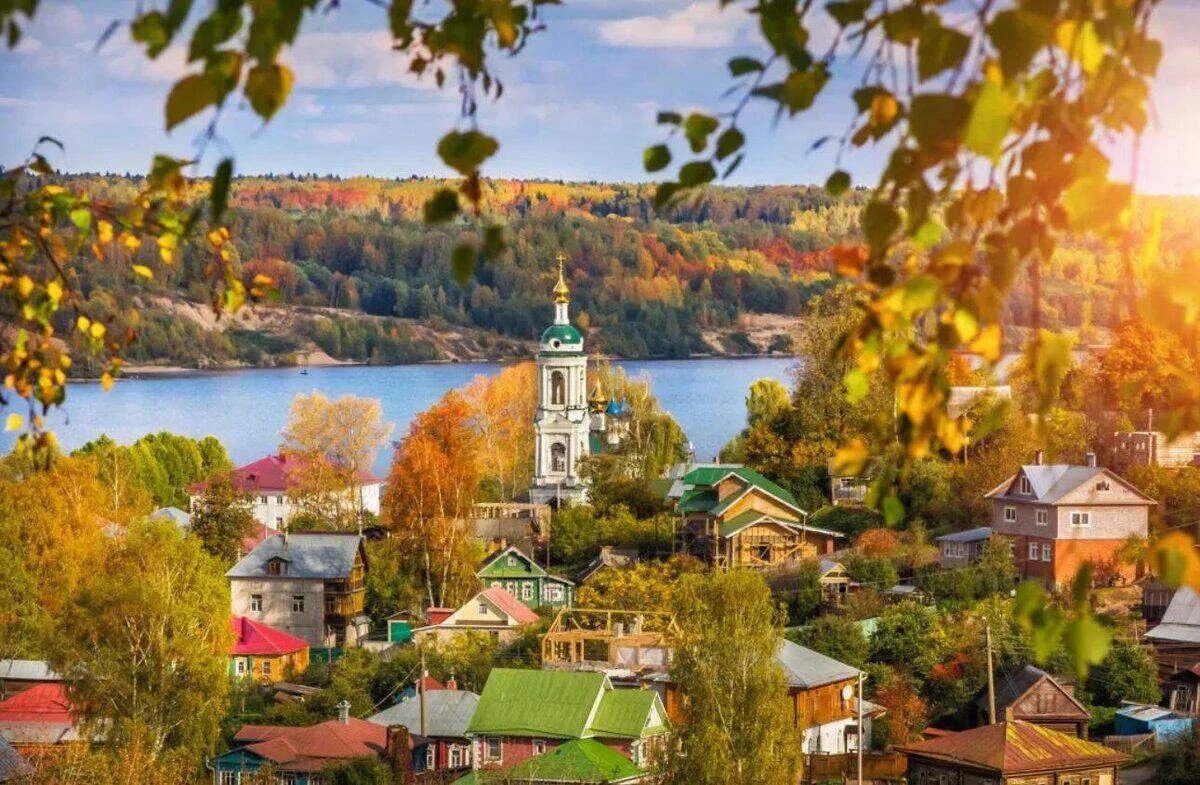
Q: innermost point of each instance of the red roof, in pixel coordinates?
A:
(261, 532)
(431, 684)
(506, 602)
(1015, 747)
(272, 473)
(259, 640)
(43, 703)
(314, 747)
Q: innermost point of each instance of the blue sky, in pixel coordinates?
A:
(579, 102)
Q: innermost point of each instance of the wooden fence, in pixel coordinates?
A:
(876, 766)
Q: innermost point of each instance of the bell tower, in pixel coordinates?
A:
(562, 421)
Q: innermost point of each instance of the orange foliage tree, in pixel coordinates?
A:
(503, 407)
(433, 482)
(878, 542)
(906, 714)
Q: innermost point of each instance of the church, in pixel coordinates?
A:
(568, 426)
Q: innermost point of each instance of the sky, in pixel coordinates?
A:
(579, 102)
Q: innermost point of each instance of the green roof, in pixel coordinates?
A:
(497, 566)
(742, 520)
(626, 714)
(581, 760)
(711, 475)
(554, 704)
(697, 500)
(565, 333)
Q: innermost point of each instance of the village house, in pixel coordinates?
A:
(494, 612)
(19, 675)
(439, 728)
(309, 584)
(1013, 752)
(961, 549)
(1138, 719)
(518, 574)
(1181, 691)
(732, 516)
(609, 558)
(298, 755)
(1058, 516)
(264, 653)
(525, 713)
(268, 481)
(834, 579)
(500, 524)
(824, 697)
(1030, 694)
(40, 716)
(1153, 448)
(576, 762)
(1176, 639)
(1156, 596)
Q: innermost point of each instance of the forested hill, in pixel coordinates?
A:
(361, 277)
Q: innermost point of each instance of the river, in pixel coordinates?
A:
(246, 409)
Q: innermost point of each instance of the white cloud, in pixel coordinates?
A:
(351, 60)
(333, 134)
(701, 25)
(124, 59)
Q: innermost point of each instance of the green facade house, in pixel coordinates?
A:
(520, 576)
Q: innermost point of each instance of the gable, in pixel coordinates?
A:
(478, 610)
(1047, 698)
(1104, 488)
(754, 498)
(510, 563)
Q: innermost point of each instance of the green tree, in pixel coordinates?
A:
(877, 572)
(1127, 673)
(222, 519)
(767, 400)
(995, 570)
(144, 642)
(737, 725)
(838, 637)
(809, 593)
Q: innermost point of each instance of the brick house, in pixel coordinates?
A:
(526, 713)
(1058, 516)
(1012, 752)
(309, 584)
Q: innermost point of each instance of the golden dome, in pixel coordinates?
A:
(598, 401)
(561, 293)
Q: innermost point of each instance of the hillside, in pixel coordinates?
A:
(360, 277)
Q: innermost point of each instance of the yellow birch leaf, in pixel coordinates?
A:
(143, 271)
(13, 422)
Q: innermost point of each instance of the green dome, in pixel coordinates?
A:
(563, 333)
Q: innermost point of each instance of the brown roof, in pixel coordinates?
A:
(1015, 747)
(314, 747)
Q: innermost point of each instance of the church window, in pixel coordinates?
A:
(558, 457)
(558, 388)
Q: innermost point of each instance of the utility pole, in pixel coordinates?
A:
(421, 694)
(987, 628)
(860, 726)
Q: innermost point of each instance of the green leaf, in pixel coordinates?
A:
(848, 12)
(190, 96)
(465, 151)
(669, 118)
(697, 128)
(879, 222)
(729, 142)
(939, 48)
(904, 24)
(893, 510)
(462, 263)
(442, 206)
(991, 119)
(268, 87)
(858, 384)
(1017, 35)
(82, 218)
(664, 194)
(398, 20)
(656, 157)
(801, 88)
(695, 173)
(937, 121)
(215, 29)
(838, 183)
(218, 199)
(151, 29)
(740, 66)
(1087, 641)
(493, 241)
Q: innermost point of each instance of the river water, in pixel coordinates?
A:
(246, 409)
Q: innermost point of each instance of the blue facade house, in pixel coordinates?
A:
(1134, 719)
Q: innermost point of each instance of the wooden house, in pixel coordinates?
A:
(522, 577)
(263, 653)
(1030, 694)
(1176, 639)
(494, 612)
(732, 517)
(437, 722)
(19, 675)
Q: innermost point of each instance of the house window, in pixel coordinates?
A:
(483, 608)
(278, 521)
(262, 499)
(554, 592)
(495, 584)
(456, 761)
(1103, 485)
(256, 603)
(266, 667)
(1081, 519)
(1033, 551)
(276, 567)
(1042, 518)
(635, 751)
(494, 749)
(1010, 514)
(539, 746)
(558, 457)
(228, 778)
(1026, 488)
(430, 761)
(298, 603)
(1045, 553)
(288, 778)
(239, 666)
(512, 561)
(526, 590)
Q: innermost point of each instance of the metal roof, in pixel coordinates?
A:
(27, 670)
(322, 555)
(447, 713)
(173, 514)
(1181, 622)
(806, 668)
(1052, 481)
(1015, 747)
(970, 535)
(1147, 713)
(12, 765)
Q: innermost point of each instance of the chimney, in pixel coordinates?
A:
(605, 551)
(451, 683)
(285, 536)
(1090, 458)
(1039, 457)
(343, 708)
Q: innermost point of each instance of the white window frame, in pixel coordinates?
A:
(297, 603)
(1046, 552)
(266, 667)
(483, 608)
(1042, 518)
(239, 666)
(456, 756)
(431, 756)
(539, 746)
(1081, 518)
(1033, 551)
(553, 592)
(256, 603)
(229, 778)
(487, 749)
(1026, 486)
(526, 590)
(1010, 514)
